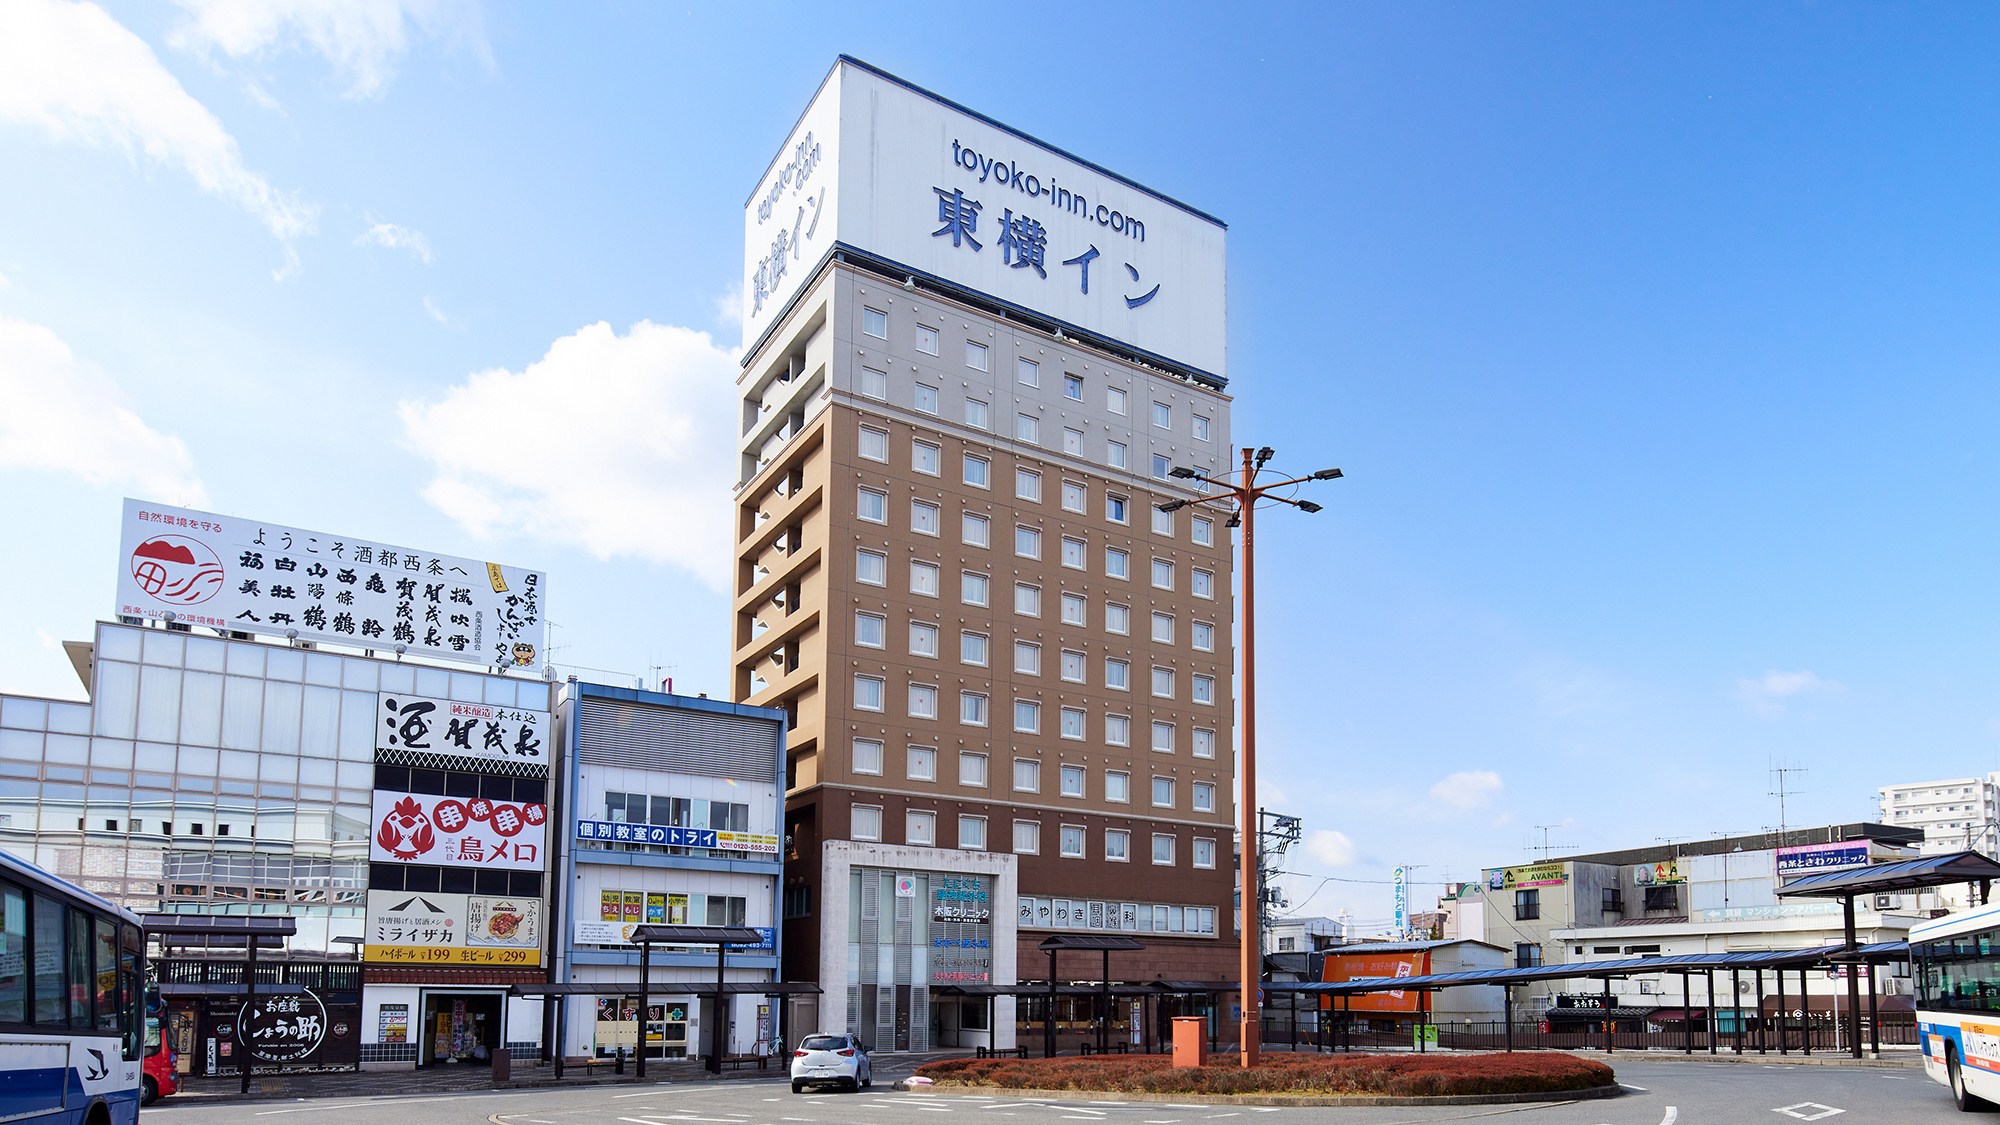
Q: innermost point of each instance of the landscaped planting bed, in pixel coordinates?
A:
(1407, 1076)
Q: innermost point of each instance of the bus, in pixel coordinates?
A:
(1956, 963)
(72, 1002)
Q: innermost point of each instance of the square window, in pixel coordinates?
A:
(1117, 845)
(1027, 542)
(1117, 509)
(922, 764)
(923, 701)
(1027, 836)
(874, 322)
(972, 769)
(1027, 372)
(1200, 427)
(869, 629)
(1071, 778)
(1072, 666)
(1073, 609)
(924, 579)
(972, 649)
(1204, 637)
(875, 384)
(1163, 792)
(920, 828)
(1072, 553)
(1202, 689)
(1027, 658)
(1202, 530)
(1073, 387)
(923, 639)
(924, 517)
(1072, 841)
(1072, 723)
(867, 756)
(1028, 428)
(1204, 853)
(972, 833)
(1163, 522)
(975, 355)
(973, 588)
(1114, 400)
(1203, 584)
(1118, 787)
(871, 505)
(1163, 416)
(977, 415)
(1117, 619)
(1027, 716)
(868, 693)
(1027, 600)
(1117, 563)
(1163, 683)
(866, 822)
(874, 444)
(972, 708)
(1117, 730)
(1027, 775)
(1163, 849)
(978, 471)
(976, 530)
(927, 339)
(1163, 574)
(1115, 454)
(1027, 484)
(1204, 796)
(1072, 442)
(871, 568)
(1163, 628)
(925, 457)
(1073, 497)
(1163, 465)
(927, 398)
(1204, 743)
(1118, 675)
(1163, 737)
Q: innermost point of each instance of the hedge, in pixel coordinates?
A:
(1428, 1075)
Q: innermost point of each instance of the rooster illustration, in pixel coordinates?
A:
(406, 831)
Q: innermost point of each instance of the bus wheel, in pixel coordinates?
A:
(1954, 1073)
(149, 1091)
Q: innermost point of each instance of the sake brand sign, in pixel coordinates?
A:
(458, 832)
(406, 927)
(469, 732)
(254, 576)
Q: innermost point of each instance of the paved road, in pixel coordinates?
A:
(1657, 1093)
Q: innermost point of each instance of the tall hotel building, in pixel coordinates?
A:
(972, 359)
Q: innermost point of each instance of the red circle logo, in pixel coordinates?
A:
(177, 569)
(450, 816)
(507, 820)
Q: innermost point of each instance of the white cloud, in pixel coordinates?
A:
(1331, 848)
(391, 236)
(622, 445)
(78, 75)
(1768, 694)
(729, 308)
(363, 39)
(1467, 789)
(64, 417)
(47, 639)
(432, 310)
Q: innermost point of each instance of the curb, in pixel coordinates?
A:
(1593, 1093)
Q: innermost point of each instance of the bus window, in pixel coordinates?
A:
(104, 974)
(48, 944)
(132, 963)
(13, 955)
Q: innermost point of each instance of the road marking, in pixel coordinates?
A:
(1629, 1086)
(647, 1094)
(1799, 1109)
(1672, 1116)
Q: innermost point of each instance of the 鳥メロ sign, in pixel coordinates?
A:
(457, 831)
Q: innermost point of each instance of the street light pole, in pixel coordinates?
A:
(1242, 497)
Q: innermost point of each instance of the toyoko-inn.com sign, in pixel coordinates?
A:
(882, 166)
(224, 572)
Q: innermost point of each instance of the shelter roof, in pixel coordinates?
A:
(1903, 875)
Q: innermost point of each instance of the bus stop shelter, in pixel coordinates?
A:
(229, 931)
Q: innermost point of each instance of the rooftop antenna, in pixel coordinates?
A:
(1780, 779)
(1545, 829)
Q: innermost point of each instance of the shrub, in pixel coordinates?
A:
(1392, 1075)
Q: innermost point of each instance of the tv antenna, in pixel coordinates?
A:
(1545, 829)
(1781, 782)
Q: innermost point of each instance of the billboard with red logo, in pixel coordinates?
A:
(458, 831)
(1363, 964)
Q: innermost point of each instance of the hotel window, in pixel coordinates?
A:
(978, 471)
(925, 457)
(1163, 849)
(975, 355)
(1115, 454)
(1117, 563)
(1027, 836)
(1202, 531)
(977, 415)
(1027, 372)
(1070, 779)
(973, 588)
(1073, 496)
(1202, 689)
(1027, 484)
(1163, 522)
(1072, 553)
(1027, 542)
(874, 444)
(1163, 737)
(1163, 416)
(920, 828)
(872, 506)
(1118, 675)
(1204, 637)
(972, 708)
(927, 339)
(972, 649)
(1028, 428)
(1204, 796)
(1204, 853)
(924, 579)
(922, 764)
(1163, 683)
(1204, 743)
(972, 769)
(874, 322)
(871, 568)
(1073, 387)
(1027, 775)
(1203, 584)
(1072, 841)
(1114, 400)
(875, 384)
(975, 530)
(1072, 442)
(924, 517)
(1116, 508)
(923, 701)
(1117, 730)
(1163, 792)
(1162, 466)
(867, 693)
(1163, 574)
(1027, 716)
(1117, 619)
(867, 756)
(1200, 427)
(972, 833)
(1118, 787)
(1073, 609)
(1072, 723)
(867, 822)
(1072, 666)
(1027, 600)
(1117, 845)
(927, 398)
(923, 639)
(1027, 658)
(869, 630)
(1163, 628)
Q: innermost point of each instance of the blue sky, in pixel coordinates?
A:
(1656, 341)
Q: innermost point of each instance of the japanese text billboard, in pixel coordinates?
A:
(407, 927)
(1364, 966)
(1810, 859)
(1528, 875)
(907, 176)
(225, 572)
(674, 836)
(457, 832)
(474, 735)
(1659, 874)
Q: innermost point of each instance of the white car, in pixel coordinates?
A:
(840, 1060)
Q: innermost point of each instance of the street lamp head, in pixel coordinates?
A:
(1182, 472)
(1235, 520)
(1308, 507)
(1173, 505)
(1327, 474)
(1264, 455)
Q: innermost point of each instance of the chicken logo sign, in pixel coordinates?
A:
(177, 569)
(458, 832)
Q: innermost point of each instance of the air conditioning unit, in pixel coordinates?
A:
(1886, 902)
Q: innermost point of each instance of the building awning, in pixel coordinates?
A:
(174, 989)
(238, 926)
(1089, 941)
(696, 935)
(666, 988)
(1903, 875)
